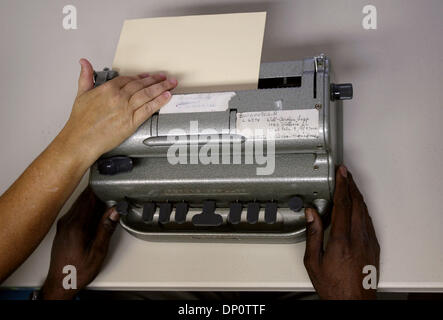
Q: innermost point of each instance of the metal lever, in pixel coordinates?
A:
(100, 77)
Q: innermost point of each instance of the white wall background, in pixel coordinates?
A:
(392, 128)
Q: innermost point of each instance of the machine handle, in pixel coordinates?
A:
(165, 141)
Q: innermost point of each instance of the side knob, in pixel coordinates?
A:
(343, 91)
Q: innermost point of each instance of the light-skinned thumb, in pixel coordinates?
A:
(86, 79)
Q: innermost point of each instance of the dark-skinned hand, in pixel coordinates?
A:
(337, 271)
(82, 241)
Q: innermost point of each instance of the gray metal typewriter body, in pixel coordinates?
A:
(230, 202)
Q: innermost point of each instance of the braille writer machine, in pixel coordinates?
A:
(252, 160)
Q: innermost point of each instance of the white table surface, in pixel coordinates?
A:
(392, 131)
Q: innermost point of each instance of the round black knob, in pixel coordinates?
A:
(122, 208)
(295, 203)
(115, 165)
(343, 91)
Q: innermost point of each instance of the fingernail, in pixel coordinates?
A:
(162, 75)
(343, 171)
(114, 216)
(144, 75)
(167, 94)
(309, 215)
(173, 81)
(82, 62)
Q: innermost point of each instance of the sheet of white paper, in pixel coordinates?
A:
(206, 53)
(199, 102)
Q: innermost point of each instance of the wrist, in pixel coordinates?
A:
(75, 148)
(53, 290)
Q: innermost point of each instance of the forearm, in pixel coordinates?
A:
(101, 119)
(29, 207)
